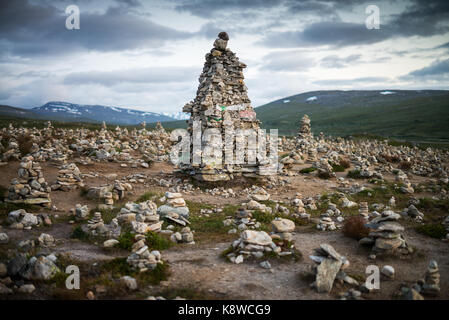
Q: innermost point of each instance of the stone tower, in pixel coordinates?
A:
(222, 102)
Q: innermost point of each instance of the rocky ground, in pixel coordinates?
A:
(198, 270)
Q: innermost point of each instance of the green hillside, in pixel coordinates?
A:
(409, 115)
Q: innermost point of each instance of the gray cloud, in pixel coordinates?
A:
(422, 18)
(292, 61)
(351, 82)
(27, 29)
(436, 69)
(334, 61)
(208, 8)
(144, 75)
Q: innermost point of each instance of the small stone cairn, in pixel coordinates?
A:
(364, 210)
(30, 187)
(175, 209)
(386, 234)
(69, 177)
(141, 258)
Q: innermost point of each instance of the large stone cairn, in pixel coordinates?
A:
(30, 187)
(222, 102)
(385, 234)
(69, 177)
(141, 258)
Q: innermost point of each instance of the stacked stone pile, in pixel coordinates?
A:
(256, 244)
(252, 243)
(184, 236)
(81, 212)
(69, 177)
(141, 258)
(282, 229)
(142, 216)
(386, 235)
(413, 213)
(30, 187)
(259, 194)
(222, 103)
(364, 210)
(242, 220)
(431, 285)
(175, 209)
(20, 219)
(97, 227)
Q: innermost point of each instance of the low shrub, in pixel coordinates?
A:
(354, 227)
(405, 165)
(345, 163)
(25, 143)
(324, 175)
(78, 233)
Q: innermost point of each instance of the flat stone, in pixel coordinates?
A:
(282, 225)
(326, 273)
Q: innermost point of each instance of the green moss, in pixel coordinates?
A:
(338, 168)
(263, 217)
(125, 241)
(307, 170)
(437, 231)
(157, 242)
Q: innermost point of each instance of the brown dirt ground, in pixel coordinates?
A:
(200, 265)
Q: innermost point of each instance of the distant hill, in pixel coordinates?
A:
(402, 114)
(65, 111)
(417, 115)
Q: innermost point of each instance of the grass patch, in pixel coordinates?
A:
(307, 170)
(125, 241)
(354, 174)
(118, 267)
(153, 196)
(338, 168)
(437, 231)
(106, 214)
(195, 207)
(157, 242)
(78, 233)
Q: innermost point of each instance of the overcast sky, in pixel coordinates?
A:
(148, 54)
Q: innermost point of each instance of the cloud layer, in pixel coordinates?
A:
(148, 54)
